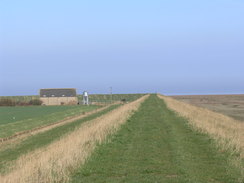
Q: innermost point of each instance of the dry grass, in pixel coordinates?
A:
(229, 133)
(55, 162)
(229, 105)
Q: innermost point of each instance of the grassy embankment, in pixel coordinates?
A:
(156, 145)
(16, 119)
(8, 155)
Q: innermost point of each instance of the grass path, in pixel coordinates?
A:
(156, 145)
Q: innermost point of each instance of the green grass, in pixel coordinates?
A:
(42, 139)
(16, 119)
(155, 145)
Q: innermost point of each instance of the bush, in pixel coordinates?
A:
(123, 100)
(35, 102)
(22, 103)
(7, 102)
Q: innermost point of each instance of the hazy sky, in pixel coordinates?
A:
(166, 46)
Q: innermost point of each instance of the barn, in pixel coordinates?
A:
(58, 96)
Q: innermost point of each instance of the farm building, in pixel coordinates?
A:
(59, 96)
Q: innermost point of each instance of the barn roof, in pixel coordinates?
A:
(58, 92)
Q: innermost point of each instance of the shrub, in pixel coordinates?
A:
(35, 102)
(22, 103)
(7, 102)
(123, 100)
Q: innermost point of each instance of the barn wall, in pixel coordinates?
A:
(59, 100)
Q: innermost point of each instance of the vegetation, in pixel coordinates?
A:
(53, 163)
(11, 102)
(8, 155)
(7, 102)
(94, 98)
(227, 132)
(230, 105)
(16, 100)
(106, 98)
(35, 102)
(16, 119)
(156, 145)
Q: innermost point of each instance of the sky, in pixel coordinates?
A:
(134, 46)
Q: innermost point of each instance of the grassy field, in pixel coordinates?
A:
(8, 155)
(230, 105)
(156, 145)
(16, 119)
